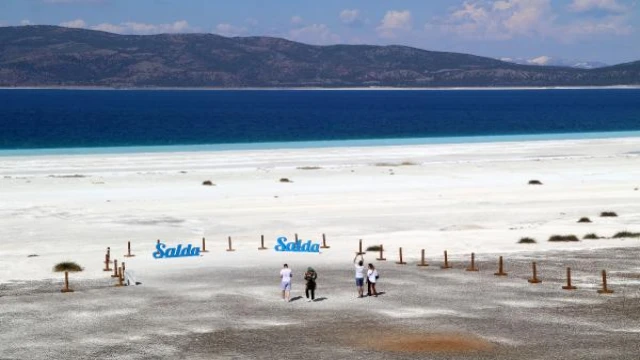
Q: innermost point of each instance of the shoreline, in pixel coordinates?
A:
(313, 88)
(321, 144)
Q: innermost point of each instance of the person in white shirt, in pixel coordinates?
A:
(359, 275)
(372, 277)
(285, 283)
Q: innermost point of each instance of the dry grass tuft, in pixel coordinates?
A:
(309, 168)
(67, 266)
(527, 240)
(584, 220)
(285, 180)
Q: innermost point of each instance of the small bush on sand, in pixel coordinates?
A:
(626, 234)
(608, 214)
(584, 220)
(535, 182)
(563, 238)
(207, 183)
(285, 180)
(389, 164)
(591, 236)
(309, 168)
(373, 248)
(527, 240)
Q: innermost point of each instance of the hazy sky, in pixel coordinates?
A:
(595, 30)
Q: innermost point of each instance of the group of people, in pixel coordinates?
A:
(310, 277)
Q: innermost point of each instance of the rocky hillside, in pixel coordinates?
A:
(56, 56)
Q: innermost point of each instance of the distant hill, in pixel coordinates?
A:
(57, 56)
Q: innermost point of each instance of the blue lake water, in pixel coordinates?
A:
(81, 121)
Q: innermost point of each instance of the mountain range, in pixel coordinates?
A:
(52, 56)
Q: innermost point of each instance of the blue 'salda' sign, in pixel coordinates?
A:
(296, 246)
(163, 252)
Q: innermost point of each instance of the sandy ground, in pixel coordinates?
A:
(462, 198)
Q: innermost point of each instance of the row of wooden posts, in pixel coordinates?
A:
(118, 272)
(501, 272)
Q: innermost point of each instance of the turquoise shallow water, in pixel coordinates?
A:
(317, 144)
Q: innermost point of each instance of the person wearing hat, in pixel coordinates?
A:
(310, 277)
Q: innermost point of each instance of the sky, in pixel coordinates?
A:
(586, 30)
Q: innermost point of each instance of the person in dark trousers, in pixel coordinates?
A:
(310, 277)
(372, 277)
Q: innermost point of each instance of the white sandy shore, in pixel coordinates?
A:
(458, 197)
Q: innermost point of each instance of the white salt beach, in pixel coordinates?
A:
(461, 198)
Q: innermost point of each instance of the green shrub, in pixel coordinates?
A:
(608, 214)
(373, 248)
(591, 236)
(626, 234)
(535, 182)
(584, 220)
(563, 238)
(527, 240)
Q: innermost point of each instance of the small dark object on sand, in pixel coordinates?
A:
(563, 238)
(207, 183)
(535, 182)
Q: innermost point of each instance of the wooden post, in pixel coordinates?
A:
(422, 260)
(381, 258)
(568, 286)
(534, 279)
(446, 261)
(230, 246)
(296, 235)
(120, 278)
(204, 245)
(66, 283)
(324, 242)
(123, 268)
(604, 289)
(158, 242)
(500, 269)
(107, 260)
(360, 252)
(129, 254)
(115, 268)
(262, 243)
(472, 267)
(401, 262)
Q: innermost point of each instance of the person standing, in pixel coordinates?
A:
(372, 277)
(359, 275)
(310, 276)
(285, 283)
